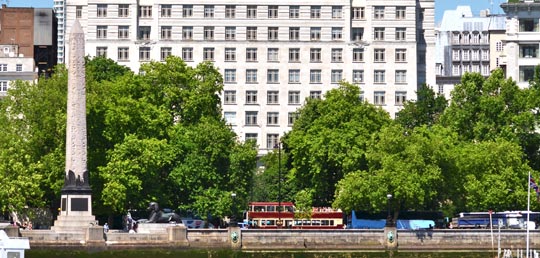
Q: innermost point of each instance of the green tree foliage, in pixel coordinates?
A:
(154, 136)
(329, 140)
(303, 204)
(413, 167)
(426, 110)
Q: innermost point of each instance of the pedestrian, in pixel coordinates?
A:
(106, 228)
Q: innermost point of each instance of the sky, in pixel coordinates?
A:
(440, 5)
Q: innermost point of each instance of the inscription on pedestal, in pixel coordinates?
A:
(79, 204)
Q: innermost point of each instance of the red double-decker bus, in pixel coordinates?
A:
(268, 215)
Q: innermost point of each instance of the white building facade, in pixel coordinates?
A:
(466, 43)
(14, 66)
(59, 7)
(522, 40)
(272, 54)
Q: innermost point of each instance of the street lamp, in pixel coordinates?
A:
(232, 222)
(389, 222)
(278, 146)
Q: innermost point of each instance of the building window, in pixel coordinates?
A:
(401, 76)
(166, 32)
(251, 97)
(400, 12)
(230, 117)
(272, 97)
(273, 55)
(292, 116)
(18, 68)
(101, 51)
(145, 11)
(208, 54)
(315, 94)
(294, 76)
(379, 55)
(101, 32)
(166, 10)
(229, 97)
(456, 38)
(441, 89)
(379, 76)
(526, 73)
(315, 76)
(251, 117)
(476, 55)
(357, 34)
(144, 54)
(401, 55)
(337, 12)
(187, 33)
(456, 70)
(315, 12)
(101, 10)
(123, 32)
(528, 25)
(401, 33)
(485, 54)
(337, 55)
(499, 46)
(336, 76)
(294, 12)
(273, 33)
(144, 32)
(165, 52)
(230, 33)
(379, 34)
(208, 11)
(294, 97)
(358, 76)
(123, 54)
(337, 33)
(187, 54)
(294, 33)
(379, 98)
(272, 118)
(272, 76)
(230, 11)
(378, 12)
(251, 137)
(251, 54)
(358, 13)
(528, 51)
(273, 12)
(230, 54)
(466, 55)
(485, 70)
(294, 55)
(251, 12)
(230, 76)
(78, 11)
(4, 86)
(315, 33)
(123, 10)
(401, 97)
(272, 140)
(315, 55)
(209, 33)
(358, 55)
(251, 33)
(187, 10)
(251, 76)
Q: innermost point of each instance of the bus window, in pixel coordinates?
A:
(259, 208)
(270, 208)
(289, 208)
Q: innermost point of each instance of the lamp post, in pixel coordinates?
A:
(278, 146)
(233, 222)
(389, 220)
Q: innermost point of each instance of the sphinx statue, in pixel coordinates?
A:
(162, 216)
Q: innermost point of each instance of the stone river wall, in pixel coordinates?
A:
(178, 237)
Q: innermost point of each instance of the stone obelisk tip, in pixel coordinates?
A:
(76, 28)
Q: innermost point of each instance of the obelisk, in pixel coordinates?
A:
(76, 202)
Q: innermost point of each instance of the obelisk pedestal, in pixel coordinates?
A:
(76, 203)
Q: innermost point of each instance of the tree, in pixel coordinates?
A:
(426, 110)
(303, 204)
(329, 138)
(413, 167)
